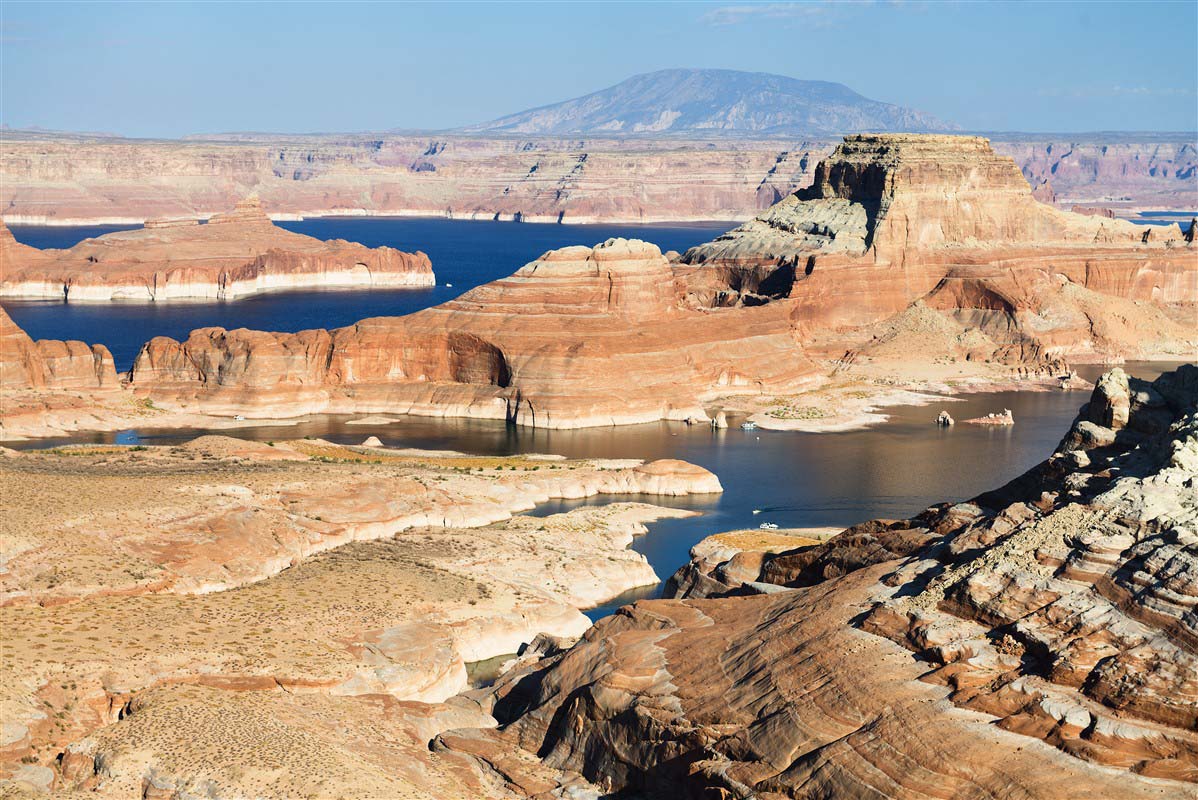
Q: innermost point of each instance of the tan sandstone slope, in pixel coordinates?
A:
(1039, 641)
(229, 618)
(233, 255)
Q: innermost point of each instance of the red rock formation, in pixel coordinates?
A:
(894, 220)
(49, 364)
(582, 336)
(902, 243)
(1039, 641)
(235, 254)
(1044, 192)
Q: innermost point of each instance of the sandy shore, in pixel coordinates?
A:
(855, 401)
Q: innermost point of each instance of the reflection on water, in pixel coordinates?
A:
(892, 470)
(483, 673)
(464, 253)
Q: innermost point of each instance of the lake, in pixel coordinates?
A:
(464, 253)
(894, 469)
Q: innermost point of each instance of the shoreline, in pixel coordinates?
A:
(859, 408)
(39, 221)
(863, 416)
(213, 293)
(861, 401)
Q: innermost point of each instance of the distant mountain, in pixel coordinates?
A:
(710, 102)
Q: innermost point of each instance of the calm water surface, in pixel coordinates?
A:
(894, 469)
(464, 254)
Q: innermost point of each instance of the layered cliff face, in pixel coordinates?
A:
(233, 255)
(50, 364)
(894, 194)
(582, 336)
(908, 252)
(989, 648)
(62, 178)
(945, 223)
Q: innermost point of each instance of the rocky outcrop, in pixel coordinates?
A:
(363, 579)
(896, 193)
(905, 248)
(64, 179)
(235, 254)
(1037, 641)
(1043, 192)
(580, 337)
(896, 225)
(51, 364)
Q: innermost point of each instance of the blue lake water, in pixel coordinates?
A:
(464, 254)
(891, 470)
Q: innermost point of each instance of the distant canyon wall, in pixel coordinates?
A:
(62, 179)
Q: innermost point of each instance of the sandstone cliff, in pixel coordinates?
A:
(233, 255)
(582, 336)
(48, 178)
(907, 250)
(1038, 641)
(49, 364)
(898, 224)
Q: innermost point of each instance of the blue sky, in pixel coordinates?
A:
(168, 69)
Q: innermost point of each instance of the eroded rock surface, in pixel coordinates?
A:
(57, 178)
(936, 244)
(49, 364)
(580, 337)
(1038, 641)
(235, 254)
(912, 263)
(906, 248)
(143, 590)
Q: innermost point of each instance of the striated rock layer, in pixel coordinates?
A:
(233, 255)
(582, 336)
(905, 247)
(1039, 641)
(51, 364)
(909, 255)
(939, 242)
(310, 603)
(65, 179)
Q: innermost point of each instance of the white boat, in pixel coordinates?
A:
(768, 526)
(748, 426)
(238, 417)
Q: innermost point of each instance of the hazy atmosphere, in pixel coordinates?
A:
(597, 401)
(148, 69)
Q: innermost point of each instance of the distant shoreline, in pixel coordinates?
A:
(33, 221)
